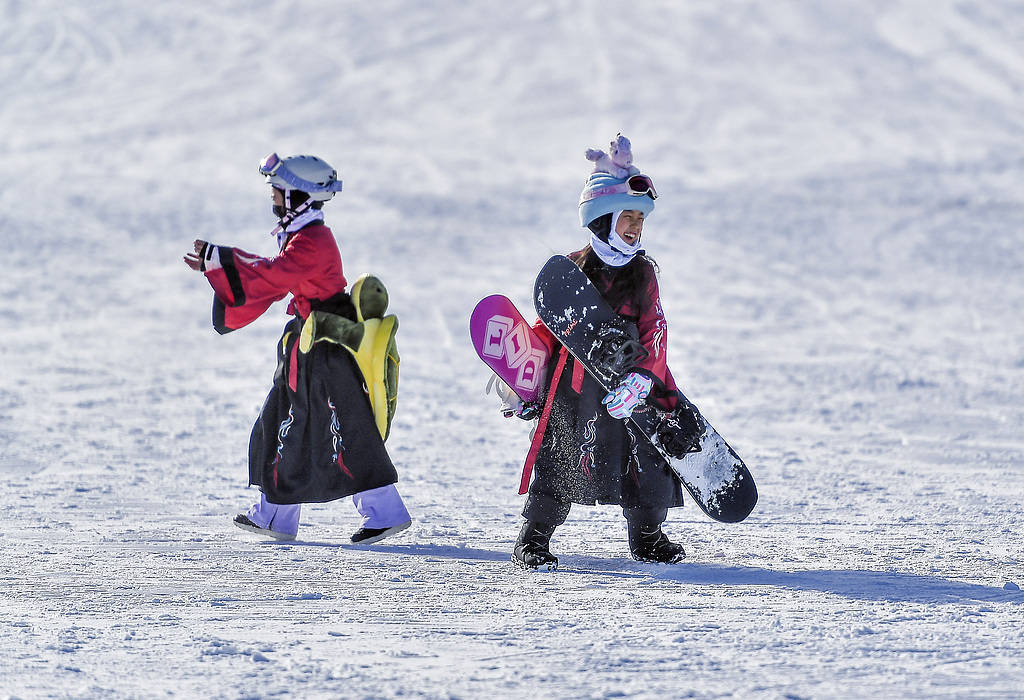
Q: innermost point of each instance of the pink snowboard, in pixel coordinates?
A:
(508, 345)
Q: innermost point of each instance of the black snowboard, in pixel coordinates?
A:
(602, 341)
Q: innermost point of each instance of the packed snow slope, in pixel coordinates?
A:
(841, 241)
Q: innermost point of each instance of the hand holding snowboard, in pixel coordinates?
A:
(621, 400)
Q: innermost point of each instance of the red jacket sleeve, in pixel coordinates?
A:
(653, 330)
(245, 285)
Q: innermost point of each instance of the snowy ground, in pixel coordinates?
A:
(841, 235)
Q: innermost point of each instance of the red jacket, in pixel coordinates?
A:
(245, 285)
(653, 329)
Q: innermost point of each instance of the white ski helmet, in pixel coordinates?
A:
(307, 174)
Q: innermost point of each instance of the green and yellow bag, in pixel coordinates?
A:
(370, 339)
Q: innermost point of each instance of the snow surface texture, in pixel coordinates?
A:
(841, 236)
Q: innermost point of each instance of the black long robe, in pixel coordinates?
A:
(316, 439)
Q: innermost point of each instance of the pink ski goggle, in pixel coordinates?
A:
(270, 164)
(636, 186)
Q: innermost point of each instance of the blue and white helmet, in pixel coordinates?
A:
(307, 174)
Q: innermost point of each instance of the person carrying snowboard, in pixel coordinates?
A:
(317, 438)
(584, 449)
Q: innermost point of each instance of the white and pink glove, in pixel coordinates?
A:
(622, 400)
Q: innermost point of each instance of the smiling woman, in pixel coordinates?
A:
(628, 226)
(583, 450)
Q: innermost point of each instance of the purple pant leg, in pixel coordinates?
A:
(381, 507)
(277, 517)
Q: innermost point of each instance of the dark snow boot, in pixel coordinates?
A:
(369, 535)
(649, 543)
(531, 549)
(245, 523)
(646, 540)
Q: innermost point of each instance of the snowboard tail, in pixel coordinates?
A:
(607, 346)
(509, 346)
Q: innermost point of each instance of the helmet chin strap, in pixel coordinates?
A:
(289, 216)
(302, 216)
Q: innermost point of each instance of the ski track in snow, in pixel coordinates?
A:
(841, 247)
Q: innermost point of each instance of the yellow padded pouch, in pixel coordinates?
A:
(372, 343)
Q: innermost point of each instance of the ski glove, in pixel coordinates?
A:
(622, 400)
(511, 404)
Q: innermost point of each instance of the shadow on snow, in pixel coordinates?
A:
(855, 584)
(890, 586)
(418, 550)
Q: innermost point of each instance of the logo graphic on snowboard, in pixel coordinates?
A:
(509, 346)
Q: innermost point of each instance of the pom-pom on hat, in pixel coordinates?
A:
(618, 161)
(616, 190)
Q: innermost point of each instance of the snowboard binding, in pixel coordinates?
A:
(679, 431)
(529, 411)
(511, 404)
(617, 350)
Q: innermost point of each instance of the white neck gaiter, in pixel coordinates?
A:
(615, 252)
(295, 224)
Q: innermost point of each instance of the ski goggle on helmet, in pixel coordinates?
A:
(636, 186)
(307, 174)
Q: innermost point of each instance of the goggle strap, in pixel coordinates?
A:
(305, 185)
(273, 166)
(622, 187)
(602, 191)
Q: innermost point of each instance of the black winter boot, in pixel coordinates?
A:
(649, 543)
(531, 548)
(646, 540)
